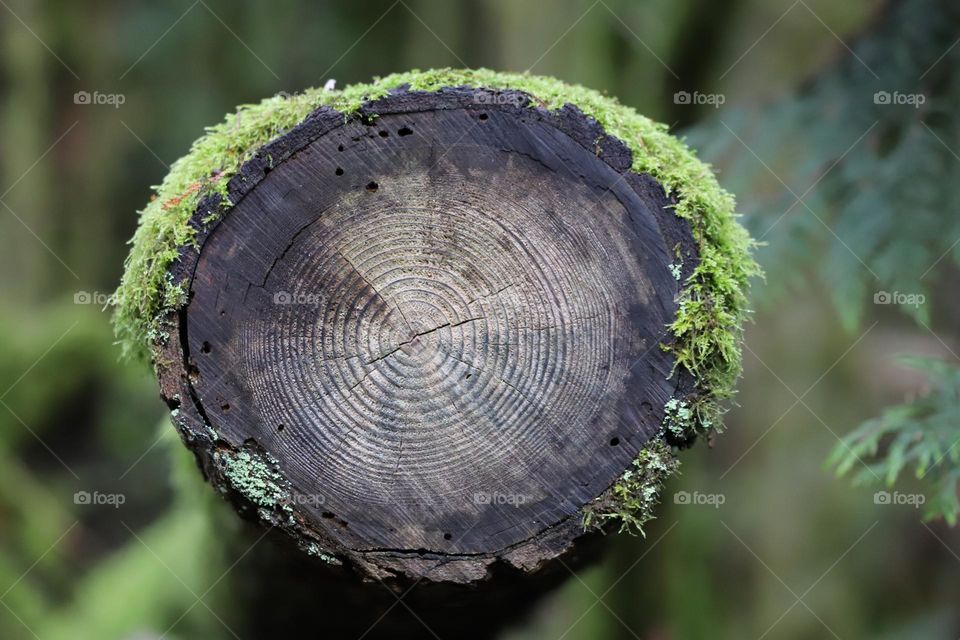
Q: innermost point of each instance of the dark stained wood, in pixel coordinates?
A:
(442, 318)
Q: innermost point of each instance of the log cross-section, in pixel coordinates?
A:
(430, 333)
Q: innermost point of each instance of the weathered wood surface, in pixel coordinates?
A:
(442, 322)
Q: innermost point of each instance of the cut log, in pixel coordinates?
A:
(424, 342)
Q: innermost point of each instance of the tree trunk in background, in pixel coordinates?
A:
(26, 136)
(698, 38)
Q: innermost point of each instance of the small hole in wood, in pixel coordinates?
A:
(614, 441)
(225, 407)
(327, 515)
(468, 376)
(205, 347)
(340, 148)
(405, 131)
(372, 186)
(279, 427)
(447, 536)
(339, 171)
(384, 134)
(484, 116)
(646, 406)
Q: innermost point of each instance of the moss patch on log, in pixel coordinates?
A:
(632, 499)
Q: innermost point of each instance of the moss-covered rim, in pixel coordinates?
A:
(713, 304)
(631, 501)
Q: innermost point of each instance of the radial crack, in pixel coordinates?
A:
(492, 294)
(372, 288)
(418, 335)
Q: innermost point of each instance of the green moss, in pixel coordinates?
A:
(253, 478)
(632, 499)
(713, 306)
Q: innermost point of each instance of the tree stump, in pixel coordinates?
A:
(425, 340)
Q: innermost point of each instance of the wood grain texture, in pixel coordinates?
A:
(442, 324)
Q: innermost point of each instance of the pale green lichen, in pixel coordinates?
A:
(706, 332)
(678, 417)
(632, 499)
(253, 478)
(675, 270)
(313, 549)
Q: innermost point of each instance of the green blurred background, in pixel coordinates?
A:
(851, 193)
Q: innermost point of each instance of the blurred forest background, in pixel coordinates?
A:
(836, 125)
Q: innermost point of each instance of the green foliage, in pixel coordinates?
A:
(158, 574)
(631, 501)
(921, 435)
(713, 304)
(72, 334)
(862, 161)
(868, 144)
